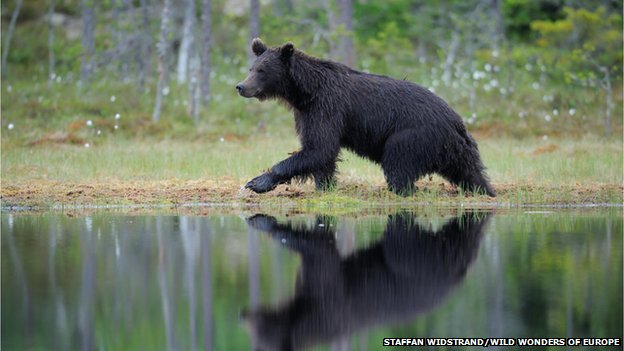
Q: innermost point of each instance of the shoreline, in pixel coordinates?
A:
(226, 193)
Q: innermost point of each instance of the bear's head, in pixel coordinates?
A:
(269, 74)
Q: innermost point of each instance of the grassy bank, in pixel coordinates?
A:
(525, 172)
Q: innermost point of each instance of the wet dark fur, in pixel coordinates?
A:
(400, 125)
(409, 271)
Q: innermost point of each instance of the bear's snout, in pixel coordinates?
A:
(244, 91)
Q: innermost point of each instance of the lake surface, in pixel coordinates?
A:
(111, 281)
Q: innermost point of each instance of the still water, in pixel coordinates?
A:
(111, 281)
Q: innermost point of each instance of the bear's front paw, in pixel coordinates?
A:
(262, 183)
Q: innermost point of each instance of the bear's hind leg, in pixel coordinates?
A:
(405, 160)
(325, 177)
(470, 177)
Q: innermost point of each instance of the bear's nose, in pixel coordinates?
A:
(239, 88)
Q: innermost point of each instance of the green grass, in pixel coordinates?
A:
(526, 161)
(527, 171)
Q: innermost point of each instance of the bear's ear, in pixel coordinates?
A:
(287, 50)
(258, 47)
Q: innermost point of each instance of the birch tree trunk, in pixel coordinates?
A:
(498, 29)
(206, 38)
(334, 51)
(163, 49)
(346, 41)
(191, 70)
(88, 40)
(609, 91)
(450, 58)
(51, 58)
(145, 54)
(254, 26)
(7, 39)
(187, 41)
(193, 86)
(123, 47)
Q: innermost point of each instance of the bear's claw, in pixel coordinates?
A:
(262, 183)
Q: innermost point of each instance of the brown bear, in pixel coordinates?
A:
(400, 125)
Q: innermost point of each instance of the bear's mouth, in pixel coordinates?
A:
(246, 93)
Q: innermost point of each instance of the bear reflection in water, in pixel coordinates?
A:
(410, 270)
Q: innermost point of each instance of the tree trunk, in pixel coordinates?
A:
(117, 57)
(498, 29)
(332, 24)
(450, 58)
(608, 89)
(128, 50)
(188, 31)
(144, 55)
(163, 49)
(51, 58)
(88, 40)
(190, 72)
(346, 40)
(193, 86)
(7, 40)
(254, 25)
(206, 37)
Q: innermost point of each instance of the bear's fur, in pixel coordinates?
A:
(400, 125)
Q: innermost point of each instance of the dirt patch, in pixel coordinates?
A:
(50, 193)
(545, 149)
(229, 192)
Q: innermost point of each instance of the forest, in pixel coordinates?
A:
(542, 77)
(556, 64)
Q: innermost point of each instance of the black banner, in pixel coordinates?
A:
(492, 342)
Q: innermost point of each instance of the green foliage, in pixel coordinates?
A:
(519, 14)
(375, 16)
(581, 42)
(513, 87)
